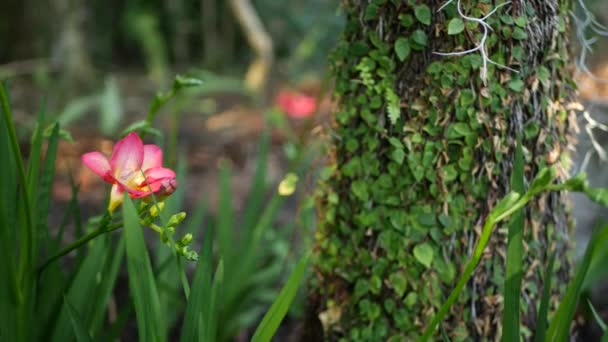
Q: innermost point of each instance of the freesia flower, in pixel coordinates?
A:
(297, 106)
(133, 167)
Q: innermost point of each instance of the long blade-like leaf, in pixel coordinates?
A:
(598, 319)
(271, 321)
(80, 330)
(515, 251)
(198, 303)
(560, 325)
(44, 190)
(541, 318)
(212, 317)
(255, 199)
(141, 280)
(9, 287)
(225, 218)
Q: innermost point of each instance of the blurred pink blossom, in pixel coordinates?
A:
(296, 105)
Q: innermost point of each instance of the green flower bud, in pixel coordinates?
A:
(146, 221)
(176, 219)
(186, 240)
(155, 209)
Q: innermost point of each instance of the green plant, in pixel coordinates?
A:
(70, 302)
(559, 327)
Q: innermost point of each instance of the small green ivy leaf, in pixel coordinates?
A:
(519, 34)
(398, 281)
(455, 26)
(359, 189)
(402, 48)
(394, 112)
(398, 156)
(420, 37)
(423, 14)
(449, 173)
(517, 85)
(371, 12)
(424, 254)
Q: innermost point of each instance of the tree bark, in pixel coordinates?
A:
(423, 148)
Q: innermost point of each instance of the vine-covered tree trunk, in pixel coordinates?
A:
(423, 148)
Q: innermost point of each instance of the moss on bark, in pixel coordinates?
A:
(422, 149)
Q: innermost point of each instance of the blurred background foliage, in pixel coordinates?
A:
(96, 64)
(89, 37)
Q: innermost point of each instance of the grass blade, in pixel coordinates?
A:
(9, 287)
(106, 285)
(45, 189)
(141, 280)
(83, 290)
(543, 310)
(560, 325)
(597, 317)
(26, 235)
(271, 321)
(33, 167)
(255, 199)
(212, 325)
(197, 306)
(80, 329)
(225, 217)
(515, 251)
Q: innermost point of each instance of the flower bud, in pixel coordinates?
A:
(176, 219)
(186, 240)
(155, 209)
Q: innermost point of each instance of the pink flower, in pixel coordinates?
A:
(133, 167)
(297, 106)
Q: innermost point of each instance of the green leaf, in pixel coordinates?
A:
(398, 281)
(212, 318)
(79, 327)
(371, 12)
(455, 26)
(544, 177)
(423, 14)
(225, 221)
(458, 130)
(110, 107)
(402, 48)
(560, 325)
(271, 321)
(197, 307)
(515, 250)
(519, 34)
(424, 254)
(393, 108)
(517, 85)
(504, 204)
(543, 309)
(598, 319)
(359, 189)
(420, 38)
(142, 284)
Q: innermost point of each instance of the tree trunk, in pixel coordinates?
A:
(423, 149)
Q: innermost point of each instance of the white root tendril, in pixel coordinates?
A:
(481, 47)
(584, 25)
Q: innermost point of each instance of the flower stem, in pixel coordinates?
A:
(104, 227)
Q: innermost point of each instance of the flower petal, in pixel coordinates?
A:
(157, 174)
(99, 164)
(127, 156)
(153, 157)
(115, 197)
